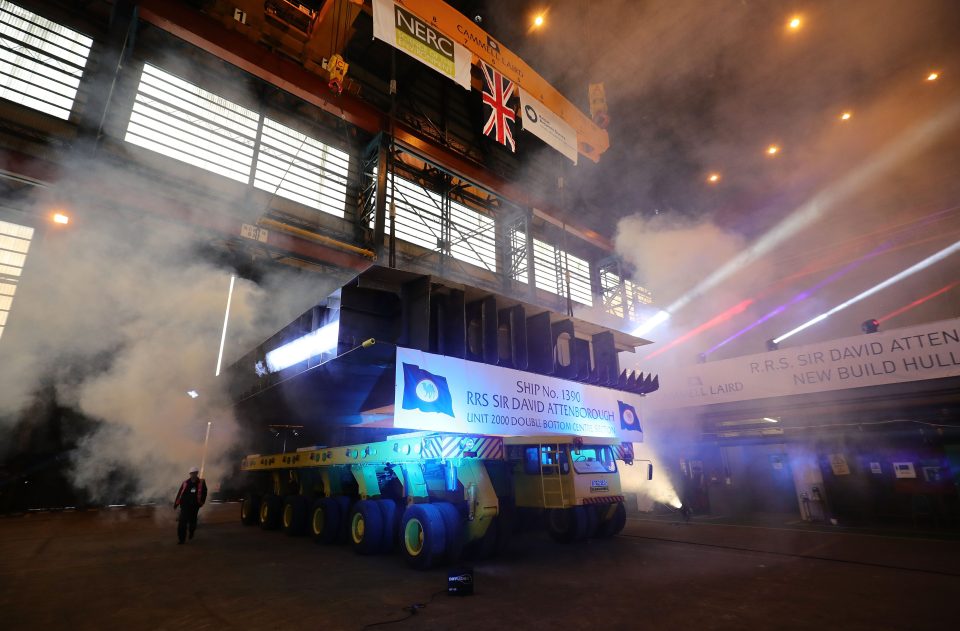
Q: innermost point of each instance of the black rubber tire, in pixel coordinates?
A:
(343, 504)
(422, 536)
(250, 509)
(294, 518)
(615, 524)
(366, 527)
(391, 524)
(593, 521)
(567, 524)
(271, 507)
(324, 521)
(453, 525)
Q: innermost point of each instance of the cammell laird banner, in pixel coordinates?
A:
(400, 28)
(438, 393)
(927, 351)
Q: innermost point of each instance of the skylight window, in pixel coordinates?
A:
(41, 62)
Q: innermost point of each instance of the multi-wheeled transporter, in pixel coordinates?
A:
(458, 416)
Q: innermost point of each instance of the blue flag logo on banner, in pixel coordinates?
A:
(425, 391)
(629, 419)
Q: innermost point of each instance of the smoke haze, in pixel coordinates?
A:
(121, 315)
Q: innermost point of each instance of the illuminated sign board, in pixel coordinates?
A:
(439, 393)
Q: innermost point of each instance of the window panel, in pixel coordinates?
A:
(303, 169)
(550, 267)
(12, 258)
(183, 121)
(419, 221)
(14, 244)
(473, 237)
(41, 62)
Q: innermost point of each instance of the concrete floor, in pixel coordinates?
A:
(121, 569)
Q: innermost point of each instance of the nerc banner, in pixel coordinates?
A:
(439, 393)
(928, 351)
(402, 29)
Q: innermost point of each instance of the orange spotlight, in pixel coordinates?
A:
(773, 150)
(713, 178)
(846, 116)
(61, 218)
(538, 21)
(795, 23)
(933, 76)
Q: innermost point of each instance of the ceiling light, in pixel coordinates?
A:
(770, 420)
(845, 116)
(933, 76)
(193, 394)
(61, 218)
(794, 23)
(773, 150)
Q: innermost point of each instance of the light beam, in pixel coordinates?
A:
(903, 147)
(910, 271)
(226, 318)
(918, 302)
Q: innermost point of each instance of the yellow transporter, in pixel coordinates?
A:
(437, 496)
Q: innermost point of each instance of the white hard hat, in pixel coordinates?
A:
(194, 470)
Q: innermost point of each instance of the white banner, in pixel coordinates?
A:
(402, 29)
(927, 351)
(547, 126)
(438, 393)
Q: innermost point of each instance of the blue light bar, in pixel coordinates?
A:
(313, 344)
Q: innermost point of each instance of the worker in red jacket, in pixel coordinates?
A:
(190, 497)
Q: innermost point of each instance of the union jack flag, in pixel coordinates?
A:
(497, 92)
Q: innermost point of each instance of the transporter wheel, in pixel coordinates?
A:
(366, 527)
(593, 520)
(422, 535)
(567, 524)
(324, 522)
(391, 523)
(453, 527)
(343, 504)
(294, 519)
(270, 508)
(615, 524)
(250, 509)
